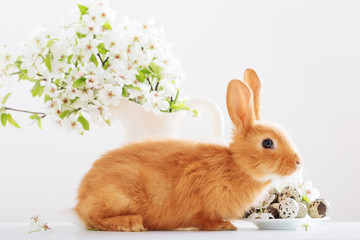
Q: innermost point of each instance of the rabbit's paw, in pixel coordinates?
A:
(128, 223)
(131, 223)
(217, 226)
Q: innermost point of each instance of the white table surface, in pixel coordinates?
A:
(67, 231)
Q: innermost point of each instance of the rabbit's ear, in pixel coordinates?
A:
(240, 106)
(253, 81)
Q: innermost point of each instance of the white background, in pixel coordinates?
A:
(307, 54)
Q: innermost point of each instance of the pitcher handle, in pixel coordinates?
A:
(216, 117)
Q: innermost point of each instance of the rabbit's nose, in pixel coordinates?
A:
(298, 159)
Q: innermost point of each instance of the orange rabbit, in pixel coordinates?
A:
(170, 184)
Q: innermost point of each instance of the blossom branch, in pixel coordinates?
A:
(25, 111)
(74, 90)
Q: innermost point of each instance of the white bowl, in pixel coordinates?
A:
(285, 224)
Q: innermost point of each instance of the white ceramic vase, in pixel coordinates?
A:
(140, 124)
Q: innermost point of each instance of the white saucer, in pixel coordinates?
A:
(285, 224)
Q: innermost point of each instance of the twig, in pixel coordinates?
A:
(171, 100)
(150, 84)
(25, 111)
(102, 62)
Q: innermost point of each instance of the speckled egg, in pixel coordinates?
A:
(302, 211)
(276, 205)
(318, 208)
(290, 192)
(273, 209)
(260, 216)
(266, 216)
(248, 212)
(288, 208)
(253, 216)
(274, 192)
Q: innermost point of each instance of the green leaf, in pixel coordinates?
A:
(132, 87)
(12, 121)
(39, 123)
(33, 80)
(94, 60)
(107, 64)
(124, 93)
(5, 98)
(23, 75)
(35, 90)
(34, 117)
(79, 82)
(155, 71)
(14, 73)
(64, 114)
(48, 61)
(41, 90)
(47, 98)
(18, 64)
(51, 42)
(83, 9)
(176, 97)
(80, 35)
(69, 58)
(107, 26)
(74, 100)
(101, 48)
(145, 71)
(107, 121)
(84, 123)
(179, 106)
(3, 119)
(141, 77)
(305, 198)
(155, 68)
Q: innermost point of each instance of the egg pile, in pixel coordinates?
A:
(289, 203)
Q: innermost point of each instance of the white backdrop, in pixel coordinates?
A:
(307, 54)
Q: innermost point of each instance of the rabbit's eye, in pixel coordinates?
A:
(268, 143)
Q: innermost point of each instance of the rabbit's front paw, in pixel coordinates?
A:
(127, 223)
(130, 223)
(217, 226)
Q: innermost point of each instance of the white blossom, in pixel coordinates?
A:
(85, 94)
(72, 124)
(156, 103)
(309, 191)
(110, 95)
(91, 69)
(93, 81)
(60, 51)
(89, 47)
(71, 92)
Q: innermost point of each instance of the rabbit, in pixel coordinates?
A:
(179, 184)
